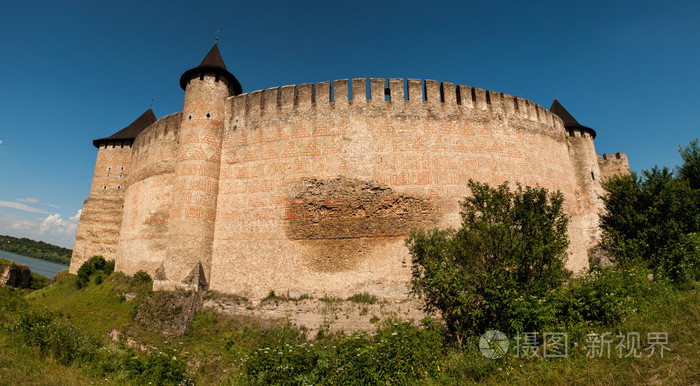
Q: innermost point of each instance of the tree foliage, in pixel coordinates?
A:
(651, 219)
(95, 265)
(511, 246)
(689, 171)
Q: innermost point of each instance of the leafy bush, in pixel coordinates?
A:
(38, 281)
(94, 265)
(510, 250)
(399, 353)
(689, 171)
(157, 368)
(648, 222)
(141, 277)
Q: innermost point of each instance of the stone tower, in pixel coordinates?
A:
(100, 221)
(586, 172)
(191, 225)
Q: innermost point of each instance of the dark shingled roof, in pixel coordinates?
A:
(212, 62)
(130, 132)
(569, 121)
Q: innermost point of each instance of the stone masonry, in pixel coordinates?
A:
(313, 188)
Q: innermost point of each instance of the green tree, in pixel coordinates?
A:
(511, 246)
(649, 220)
(689, 171)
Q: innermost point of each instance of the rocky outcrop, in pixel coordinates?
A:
(15, 275)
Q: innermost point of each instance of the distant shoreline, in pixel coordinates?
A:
(36, 249)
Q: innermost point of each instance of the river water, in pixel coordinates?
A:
(41, 267)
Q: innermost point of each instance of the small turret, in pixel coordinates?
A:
(212, 64)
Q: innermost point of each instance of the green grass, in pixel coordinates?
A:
(363, 298)
(672, 311)
(216, 346)
(96, 308)
(25, 366)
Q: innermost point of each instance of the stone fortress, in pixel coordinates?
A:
(313, 188)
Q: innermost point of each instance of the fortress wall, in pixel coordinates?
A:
(317, 192)
(611, 164)
(99, 226)
(143, 239)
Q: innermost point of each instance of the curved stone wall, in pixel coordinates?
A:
(144, 231)
(320, 184)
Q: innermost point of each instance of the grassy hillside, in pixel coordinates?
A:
(221, 349)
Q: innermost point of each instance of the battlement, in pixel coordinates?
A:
(612, 157)
(160, 128)
(386, 93)
(613, 164)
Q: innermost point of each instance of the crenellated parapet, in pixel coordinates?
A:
(154, 149)
(398, 94)
(612, 164)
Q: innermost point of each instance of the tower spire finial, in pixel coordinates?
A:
(151, 103)
(216, 39)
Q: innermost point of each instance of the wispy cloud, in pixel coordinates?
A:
(20, 206)
(0, 142)
(32, 200)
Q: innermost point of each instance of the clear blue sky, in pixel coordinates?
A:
(73, 71)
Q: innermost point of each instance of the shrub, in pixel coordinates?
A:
(399, 353)
(649, 220)
(157, 368)
(141, 277)
(38, 281)
(511, 248)
(94, 265)
(689, 171)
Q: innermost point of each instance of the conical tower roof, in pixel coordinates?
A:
(212, 63)
(130, 132)
(569, 121)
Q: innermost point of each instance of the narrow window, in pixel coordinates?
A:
(592, 176)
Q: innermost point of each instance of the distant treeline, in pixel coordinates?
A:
(36, 249)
